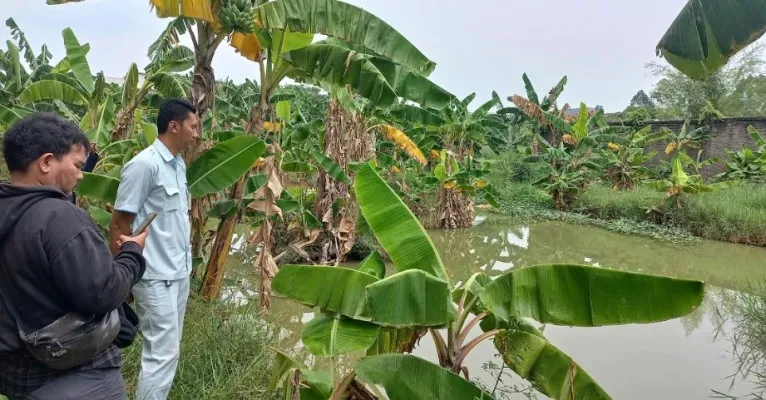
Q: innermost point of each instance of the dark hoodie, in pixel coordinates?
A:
(54, 260)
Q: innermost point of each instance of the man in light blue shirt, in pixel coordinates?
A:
(155, 181)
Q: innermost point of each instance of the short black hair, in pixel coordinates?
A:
(173, 110)
(37, 134)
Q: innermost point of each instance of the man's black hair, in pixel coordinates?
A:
(173, 110)
(38, 134)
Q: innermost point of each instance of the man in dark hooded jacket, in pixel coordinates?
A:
(54, 260)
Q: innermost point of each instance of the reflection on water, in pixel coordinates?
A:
(685, 358)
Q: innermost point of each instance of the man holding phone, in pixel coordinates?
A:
(154, 181)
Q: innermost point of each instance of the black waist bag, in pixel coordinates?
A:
(71, 340)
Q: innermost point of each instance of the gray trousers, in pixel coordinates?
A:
(95, 384)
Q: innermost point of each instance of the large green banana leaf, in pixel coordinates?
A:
(334, 289)
(406, 377)
(99, 134)
(396, 228)
(340, 66)
(168, 85)
(8, 116)
(409, 298)
(577, 295)
(52, 90)
(707, 33)
(328, 336)
(531, 93)
(410, 113)
(344, 21)
(550, 370)
(411, 85)
(221, 166)
(75, 53)
(99, 187)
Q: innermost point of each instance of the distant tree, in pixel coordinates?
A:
(678, 96)
(641, 99)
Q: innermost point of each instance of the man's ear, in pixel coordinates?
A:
(44, 162)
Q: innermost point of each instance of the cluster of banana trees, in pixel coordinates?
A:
(282, 156)
(385, 313)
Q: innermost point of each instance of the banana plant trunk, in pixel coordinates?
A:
(124, 122)
(456, 209)
(219, 253)
(202, 97)
(346, 140)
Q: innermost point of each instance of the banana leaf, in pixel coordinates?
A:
(552, 372)
(168, 85)
(130, 85)
(708, 33)
(100, 134)
(578, 295)
(99, 187)
(52, 90)
(101, 216)
(221, 166)
(406, 377)
(410, 113)
(409, 298)
(396, 228)
(531, 94)
(340, 66)
(334, 289)
(329, 336)
(344, 21)
(329, 166)
(75, 53)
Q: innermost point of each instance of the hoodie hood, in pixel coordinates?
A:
(16, 199)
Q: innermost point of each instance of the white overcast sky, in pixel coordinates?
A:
(479, 45)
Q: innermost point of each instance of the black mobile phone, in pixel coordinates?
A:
(145, 224)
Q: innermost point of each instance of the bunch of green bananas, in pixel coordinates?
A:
(237, 16)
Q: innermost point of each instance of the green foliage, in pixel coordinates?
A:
(224, 353)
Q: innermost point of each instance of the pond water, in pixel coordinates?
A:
(685, 358)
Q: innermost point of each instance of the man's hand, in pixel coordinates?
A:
(140, 239)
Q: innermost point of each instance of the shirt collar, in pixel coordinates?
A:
(163, 150)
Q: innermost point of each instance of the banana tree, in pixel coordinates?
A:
(281, 46)
(708, 33)
(748, 163)
(574, 162)
(78, 90)
(624, 164)
(545, 117)
(460, 135)
(366, 309)
(681, 183)
(15, 76)
(160, 77)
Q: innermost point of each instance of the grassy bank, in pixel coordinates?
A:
(224, 354)
(736, 214)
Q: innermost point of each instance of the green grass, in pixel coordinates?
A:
(224, 354)
(736, 214)
(605, 202)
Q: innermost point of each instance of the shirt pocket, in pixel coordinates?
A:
(172, 198)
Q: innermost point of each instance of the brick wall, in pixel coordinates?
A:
(725, 134)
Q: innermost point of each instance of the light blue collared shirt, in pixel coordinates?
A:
(155, 181)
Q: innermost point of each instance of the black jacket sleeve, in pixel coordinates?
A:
(85, 272)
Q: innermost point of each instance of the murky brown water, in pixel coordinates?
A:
(685, 358)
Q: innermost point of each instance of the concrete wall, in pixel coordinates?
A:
(725, 134)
